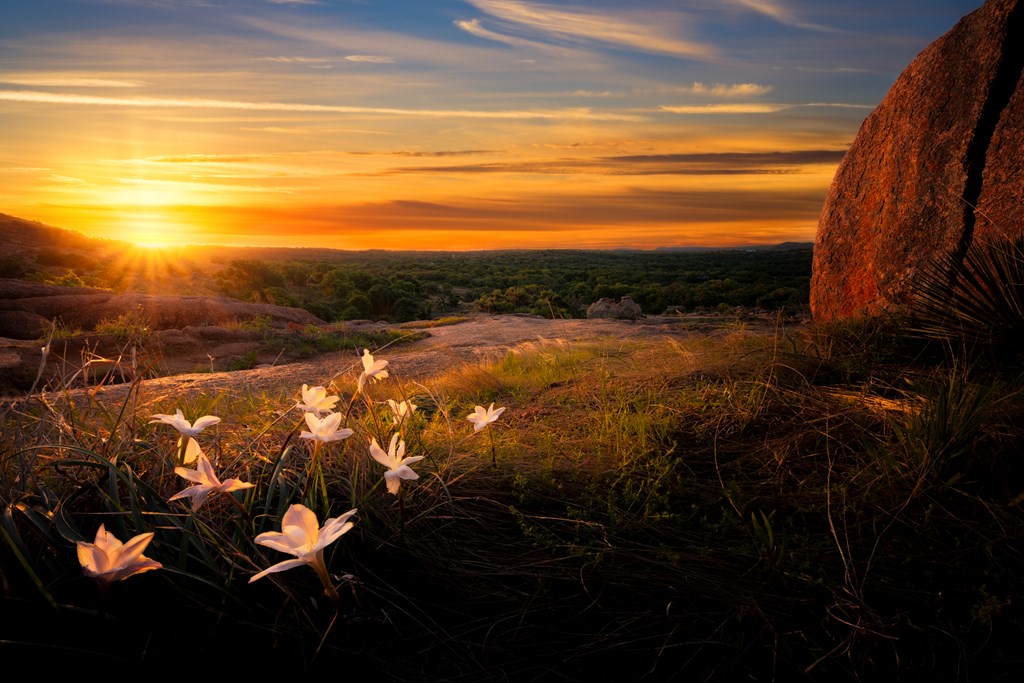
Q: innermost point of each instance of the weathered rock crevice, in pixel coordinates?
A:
(1004, 84)
(934, 169)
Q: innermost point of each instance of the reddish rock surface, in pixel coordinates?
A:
(937, 165)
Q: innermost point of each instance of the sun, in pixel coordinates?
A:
(146, 244)
(148, 214)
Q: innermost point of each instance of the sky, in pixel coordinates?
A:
(442, 124)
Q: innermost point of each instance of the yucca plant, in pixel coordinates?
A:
(977, 299)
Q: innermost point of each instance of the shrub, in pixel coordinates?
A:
(977, 299)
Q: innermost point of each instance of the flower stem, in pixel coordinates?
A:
(494, 455)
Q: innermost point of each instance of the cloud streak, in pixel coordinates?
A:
(585, 26)
(731, 89)
(204, 103)
(57, 80)
(723, 163)
(777, 11)
(724, 108)
(370, 59)
(752, 108)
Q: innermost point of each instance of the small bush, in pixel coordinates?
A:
(131, 325)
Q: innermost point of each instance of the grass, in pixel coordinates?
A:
(802, 505)
(437, 322)
(315, 340)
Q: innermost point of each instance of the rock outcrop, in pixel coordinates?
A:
(26, 309)
(626, 309)
(938, 165)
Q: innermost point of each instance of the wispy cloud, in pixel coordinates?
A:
(782, 14)
(837, 105)
(473, 27)
(834, 70)
(754, 108)
(200, 159)
(372, 59)
(406, 48)
(444, 153)
(202, 103)
(748, 108)
(294, 60)
(586, 26)
(722, 163)
(68, 80)
(730, 89)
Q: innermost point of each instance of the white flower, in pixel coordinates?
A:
(315, 400)
(207, 483)
(325, 429)
(481, 418)
(109, 560)
(302, 537)
(184, 427)
(398, 466)
(375, 370)
(402, 410)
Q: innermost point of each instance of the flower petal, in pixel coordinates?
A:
(333, 528)
(204, 467)
(279, 567)
(378, 454)
(298, 515)
(132, 550)
(205, 421)
(192, 450)
(277, 541)
(405, 472)
(338, 435)
(230, 485)
(144, 564)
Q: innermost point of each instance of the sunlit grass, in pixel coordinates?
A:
(716, 507)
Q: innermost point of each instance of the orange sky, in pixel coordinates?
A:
(448, 125)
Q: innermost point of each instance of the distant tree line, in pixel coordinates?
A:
(400, 286)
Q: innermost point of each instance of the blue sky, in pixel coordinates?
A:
(442, 124)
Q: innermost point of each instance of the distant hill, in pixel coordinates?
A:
(782, 246)
(20, 236)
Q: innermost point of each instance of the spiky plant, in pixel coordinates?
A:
(978, 299)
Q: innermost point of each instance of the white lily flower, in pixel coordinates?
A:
(207, 483)
(303, 537)
(375, 370)
(192, 450)
(402, 410)
(325, 429)
(481, 418)
(184, 427)
(315, 400)
(398, 466)
(109, 560)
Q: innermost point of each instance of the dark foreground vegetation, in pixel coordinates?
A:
(836, 503)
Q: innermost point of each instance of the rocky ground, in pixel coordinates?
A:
(425, 353)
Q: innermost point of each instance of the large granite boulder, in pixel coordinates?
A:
(26, 309)
(939, 164)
